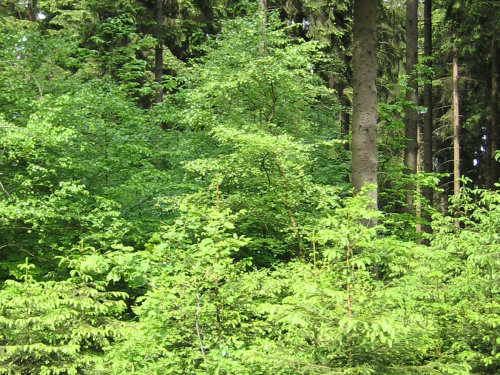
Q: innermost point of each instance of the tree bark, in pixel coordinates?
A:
(364, 118)
(31, 6)
(263, 7)
(159, 51)
(493, 134)
(263, 26)
(456, 127)
(428, 191)
(411, 116)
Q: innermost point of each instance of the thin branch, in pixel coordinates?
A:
(263, 166)
(198, 325)
(3, 189)
(33, 255)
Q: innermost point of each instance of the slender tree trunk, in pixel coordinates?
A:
(263, 16)
(493, 134)
(343, 119)
(411, 116)
(263, 6)
(364, 118)
(427, 191)
(418, 202)
(456, 128)
(31, 5)
(159, 51)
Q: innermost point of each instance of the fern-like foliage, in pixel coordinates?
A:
(56, 327)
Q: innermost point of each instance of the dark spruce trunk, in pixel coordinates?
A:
(411, 119)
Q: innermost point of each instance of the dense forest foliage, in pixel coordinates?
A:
(249, 187)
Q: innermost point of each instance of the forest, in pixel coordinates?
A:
(249, 187)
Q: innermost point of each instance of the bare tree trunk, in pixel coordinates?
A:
(31, 5)
(418, 202)
(159, 51)
(343, 114)
(364, 117)
(456, 129)
(493, 134)
(427, 191)
(343, 119)
(428, 96)
(263, 6)
(263, 15)
(411, 116)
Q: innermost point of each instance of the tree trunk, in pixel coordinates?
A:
(493, 134)
(159, 51)
(364, 118)
(31, 6)
(411, 116)
(339, 86)
(456, 128)
(427, 191)
(418, 202)
(263, 16)
(263, 7)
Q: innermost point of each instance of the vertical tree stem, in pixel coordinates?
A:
(159, 51)
(198, 334)
(428, 191)
(411, 116)
(493, 172)
(364, 116)
(348, 291)
(314, 259)
(456, 130)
